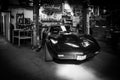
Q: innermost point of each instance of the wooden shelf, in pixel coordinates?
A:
(22, 34)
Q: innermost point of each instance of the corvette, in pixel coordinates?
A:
(69, 46)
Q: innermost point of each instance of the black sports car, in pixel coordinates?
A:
(70, 46)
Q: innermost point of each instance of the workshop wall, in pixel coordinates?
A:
(28, 13)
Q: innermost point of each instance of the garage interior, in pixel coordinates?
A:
(21, 22)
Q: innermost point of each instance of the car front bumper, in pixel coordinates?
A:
(79, 56)
(74, 56)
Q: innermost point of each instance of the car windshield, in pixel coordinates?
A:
(63, 29)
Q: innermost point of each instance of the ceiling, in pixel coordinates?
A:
(110, 4)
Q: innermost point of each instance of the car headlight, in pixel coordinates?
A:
(54, 41)
(85, 43)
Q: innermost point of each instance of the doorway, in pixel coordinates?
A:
(5, 25)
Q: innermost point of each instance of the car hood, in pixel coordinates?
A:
(71, 43)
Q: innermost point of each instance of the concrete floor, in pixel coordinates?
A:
(25, 64)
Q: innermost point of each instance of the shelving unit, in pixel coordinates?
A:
(22, 35)
(23, 29)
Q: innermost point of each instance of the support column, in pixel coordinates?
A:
(84, 19)
(88, 21)
(36, 22)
